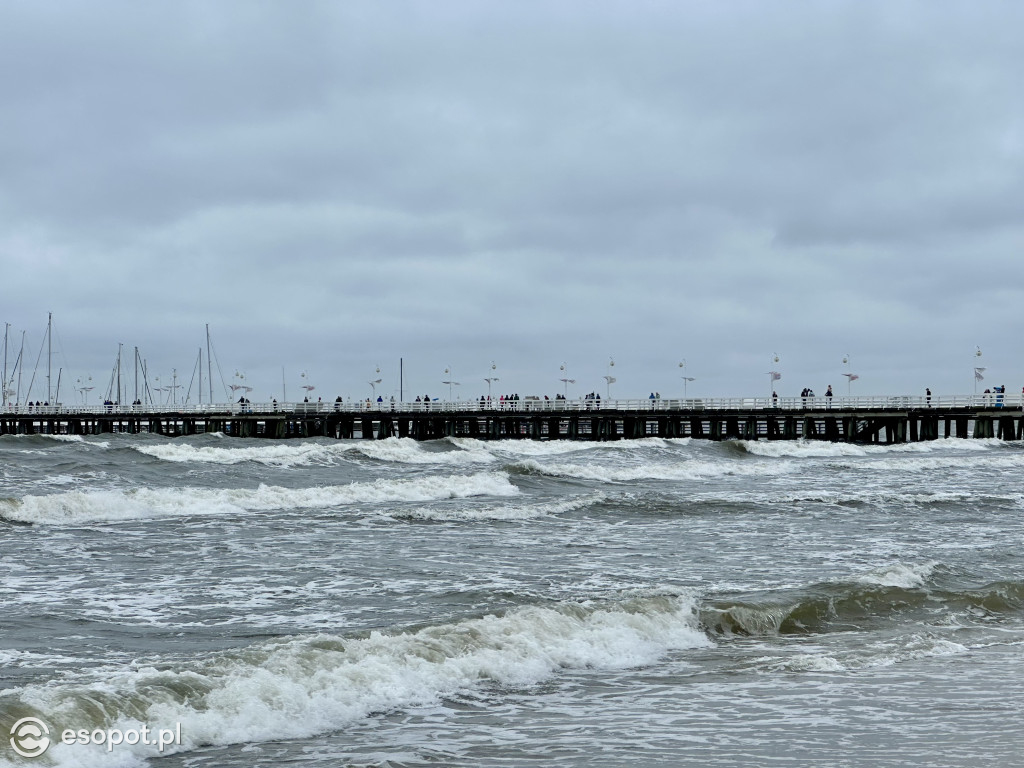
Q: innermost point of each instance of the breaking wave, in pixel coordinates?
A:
(897, 593)
(298, 687)
(685, 470)
(824, 449)
(303, 453)
(113, 505)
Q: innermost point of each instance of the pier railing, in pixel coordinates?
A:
(531, 404)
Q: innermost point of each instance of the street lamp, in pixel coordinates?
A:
(450, 382)
(373, 384)
(241, 385)
(773, 375)
(686, 379)
(491, 379)
(307, 386)
(565, 380)
(84, 390)
(978, 371)
(609, 378)
(850, 376)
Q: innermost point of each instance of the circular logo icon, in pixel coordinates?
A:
(30, 737)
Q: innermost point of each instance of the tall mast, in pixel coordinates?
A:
(118, 401)
(136, 375)
(200, 376)
(21, 366)
(209, 362)
(49, 355)
(7, 329)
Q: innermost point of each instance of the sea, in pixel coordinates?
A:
(319, 602)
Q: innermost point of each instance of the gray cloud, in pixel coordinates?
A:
(334, 186)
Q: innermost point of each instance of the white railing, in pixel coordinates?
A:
(534, 405)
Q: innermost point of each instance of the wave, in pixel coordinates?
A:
(115, 505)
(407, 451)
(853, 497)
(823, 449)
(44, 440)
(508, 512)
(686, 470)
(298, 687)
(560, 447)
(892, 594)
(289, 454)
(918, 645)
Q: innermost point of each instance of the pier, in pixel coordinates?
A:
(873, 420)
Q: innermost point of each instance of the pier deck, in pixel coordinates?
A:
(883, 420)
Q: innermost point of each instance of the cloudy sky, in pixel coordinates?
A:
(333, 186)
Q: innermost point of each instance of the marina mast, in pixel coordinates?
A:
(49, 354)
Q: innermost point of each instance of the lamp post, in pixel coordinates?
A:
(566, 381)
(84, 389)
(491, 379)
(450, 382)
(773, 375)
(686, 379)
(850, 375)
(373, 384)
(978, 371)
(241, 385)
(609, 379)
(307, 386)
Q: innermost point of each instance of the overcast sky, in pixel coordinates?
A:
(333, 186)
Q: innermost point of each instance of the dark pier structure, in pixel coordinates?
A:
(544, 420)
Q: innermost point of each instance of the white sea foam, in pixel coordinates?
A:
(274, 454)
(542, 448)
(510, 512)
(899, 575)
(521, 447)
(143, 503)
(302, 453)
(684, 470)
(810, 662)
(299, 687)
(824, 449)
(408, 451)
(876, 495)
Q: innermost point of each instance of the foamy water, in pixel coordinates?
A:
(475, 603)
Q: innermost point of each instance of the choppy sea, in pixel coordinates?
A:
(516, 603)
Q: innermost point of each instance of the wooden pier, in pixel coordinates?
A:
(909, 420)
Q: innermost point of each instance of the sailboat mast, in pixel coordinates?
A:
(22, 352)
(49, 355)
(118, 401)
(136, 375)
(200, 376)
(209, 363)
(7, 330)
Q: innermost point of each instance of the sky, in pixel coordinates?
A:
(686, 188)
